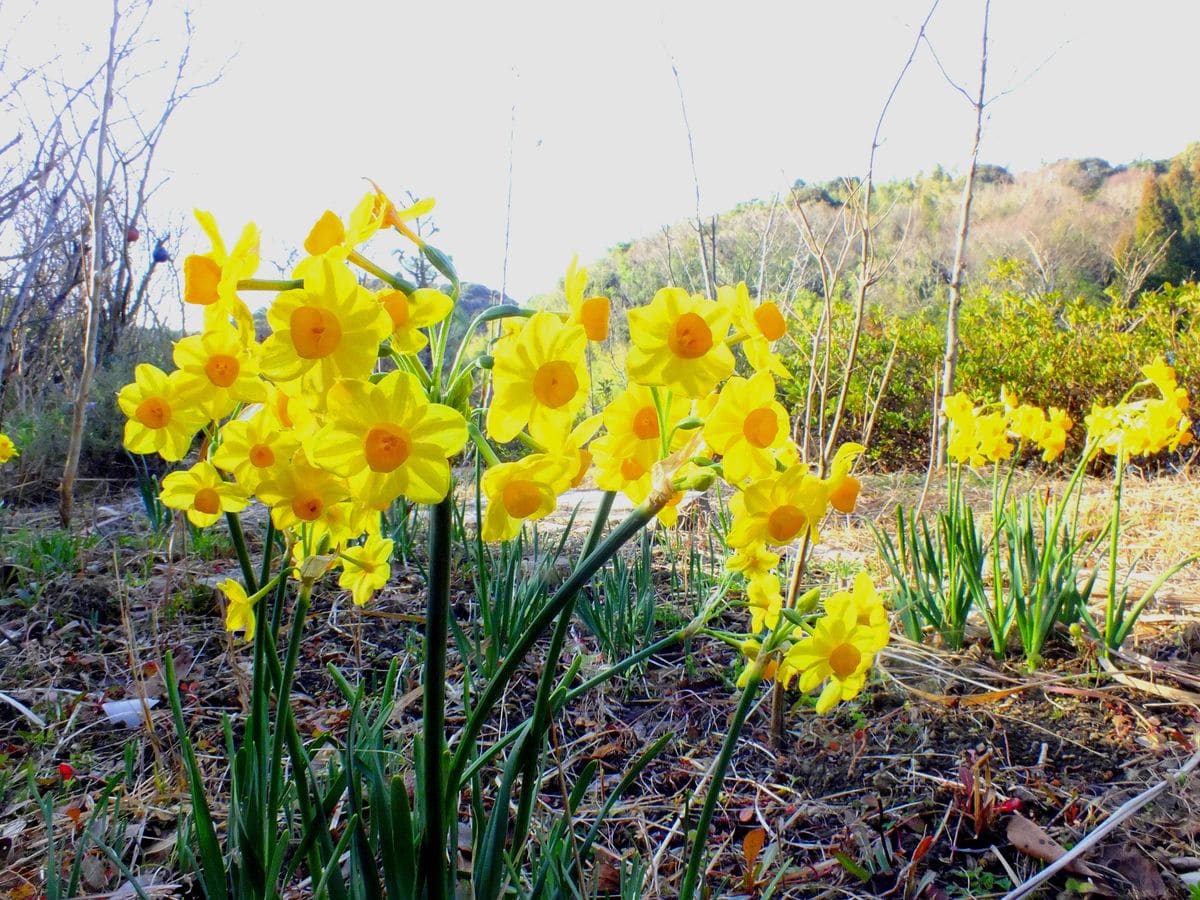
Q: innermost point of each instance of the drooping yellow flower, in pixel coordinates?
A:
(592, 313)
(301, 494)
(365, 568)
(522, 491)
(762, 324)
(838, 653)
(253, 447)
(239, 611)
(219, 370)
(409, 313)
(765, 599)
(865, 605)
(778, 509)
(747, 426)
(203, 494)
(8, 450)
(326, 330)
(540, 378)
(389, 440)
(161, 420)
(679, 343)
(398, 218)
(210, 279)
(842, 487)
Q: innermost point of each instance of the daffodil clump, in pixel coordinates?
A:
(352, 401)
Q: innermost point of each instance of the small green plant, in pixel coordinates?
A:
(620, 613)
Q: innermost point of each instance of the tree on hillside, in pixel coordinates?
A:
(1159, 219)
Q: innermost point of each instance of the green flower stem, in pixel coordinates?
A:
(393, 281)
(434, 861)
(598, 522)
(481, 444)
(243, 554)
(270, 284)
(582, 575)
(691, 877)
(1113, 616)
(268, 551)
(793, 593)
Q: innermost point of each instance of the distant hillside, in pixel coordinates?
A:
(1067, 225)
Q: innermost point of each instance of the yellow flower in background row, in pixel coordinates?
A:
(365, 569)
(679, 343)
(753, 561)
(219, 370)
(253, 447)
(301, 494)
(592, 313)
(8, 450)
(389, 440)
(765, 599)
(161, 419)
(210, 279)
(842, 487)
(762, 323)
(239, 611)
(203, 494)
(747, 426)
(522, 491)
(632, 421)
(778, 509)
(539, 377)
(409, 313)
(326, 330)
(864, 604)
(838, 653)
(329, 235)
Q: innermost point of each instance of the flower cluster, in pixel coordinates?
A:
(1146, 426)
(979, 435)
(351, 402)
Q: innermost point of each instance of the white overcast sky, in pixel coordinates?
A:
(439, 97)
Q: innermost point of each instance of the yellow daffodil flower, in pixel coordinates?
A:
(253, 447)
(765, 599)
(632, 421)
(522, 491)
(591, 313)
(679, 343)
(301, 494)
(571, 445)
(540, 378)
(778, 509)
(210, 279)
(842, 487)
(838, 654)
(161, 420)
(389, 440)
(864, 604)
(8, 450)
(747, 426)
(326, 330)
(329, 235)
(409, 313)
(753, 561)
(239, 611)
(202, 492)
(365, 569)
(762, 324)
(219, 370)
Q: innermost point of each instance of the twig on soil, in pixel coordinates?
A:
(1123, 812)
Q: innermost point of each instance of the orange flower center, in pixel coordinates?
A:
(593, 314)
(770, 321)
(760, 427)
(844, 660)
(521, 498)
(307, 507)
(785, 523)
(207, 501)
(645, 423)
(153, 412)
(327, 232)
(631, 469)
(386, 447)
(396, 304)
(261, 456)
(555, 384)
(316, 332)
(200, 279)
(690, 337)
(844, 495)
(281, 409)
(222, 370)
